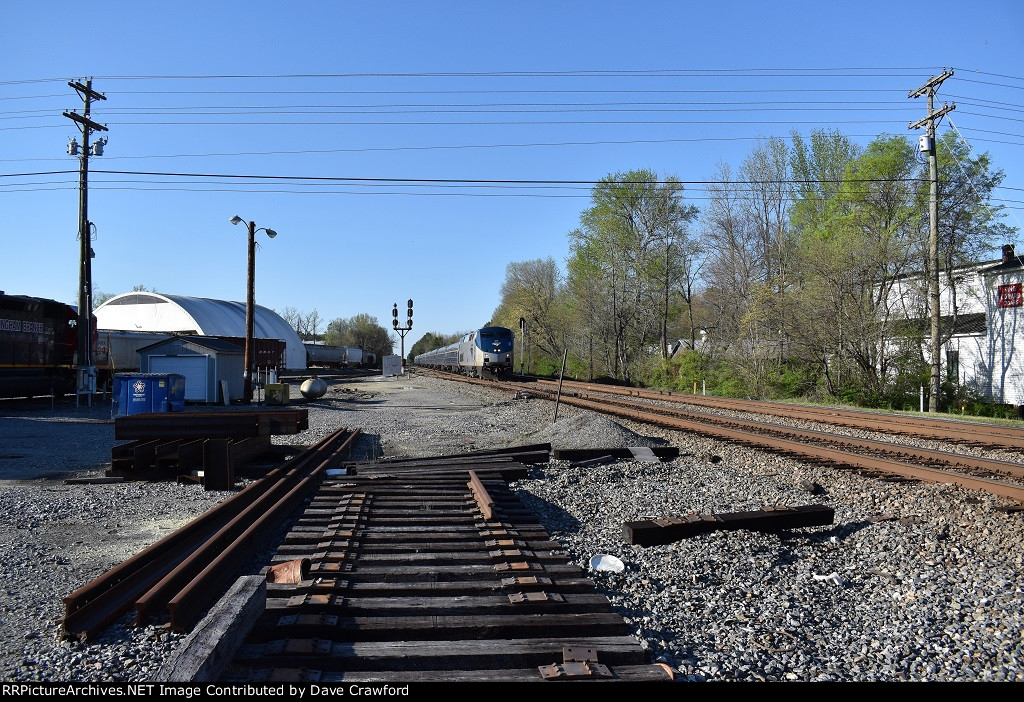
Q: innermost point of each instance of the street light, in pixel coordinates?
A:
(250, 304)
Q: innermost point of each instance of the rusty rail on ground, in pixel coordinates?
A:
(97, 604)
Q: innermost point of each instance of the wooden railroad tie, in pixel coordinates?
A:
(651, 532)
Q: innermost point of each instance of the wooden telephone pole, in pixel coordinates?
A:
(928, 144)
(86, 375)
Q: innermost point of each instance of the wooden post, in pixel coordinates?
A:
(561, 373)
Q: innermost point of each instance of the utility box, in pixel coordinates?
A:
(276, 393)
(392, 365)
(136, 393)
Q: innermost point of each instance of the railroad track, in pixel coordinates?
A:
(432, 571)
(863, 454)
(180, 575)
(946, 430)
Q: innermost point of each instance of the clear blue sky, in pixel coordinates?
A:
(344, 90)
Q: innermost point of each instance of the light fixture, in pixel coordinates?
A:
(271, 233)
(236, 219)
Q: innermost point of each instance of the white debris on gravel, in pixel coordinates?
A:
(936, 596)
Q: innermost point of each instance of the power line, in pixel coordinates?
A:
(410, 108)
(359, 179)
(430, 148)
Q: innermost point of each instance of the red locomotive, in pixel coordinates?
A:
(38, 346)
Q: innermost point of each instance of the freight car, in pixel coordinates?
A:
(323, 356)
(38, 346)
(483, 352)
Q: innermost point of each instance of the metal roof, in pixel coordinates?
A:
(208, 342)
(180, 314)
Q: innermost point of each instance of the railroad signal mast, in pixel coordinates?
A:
(86, 376)
(402, 331)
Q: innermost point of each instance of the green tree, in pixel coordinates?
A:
(852, 253)
(628, 245)
(533, 290)
(360, 331)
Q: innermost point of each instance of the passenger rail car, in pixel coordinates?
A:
(38, 346)
(483, 352)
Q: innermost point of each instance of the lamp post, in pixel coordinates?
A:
(250, 305)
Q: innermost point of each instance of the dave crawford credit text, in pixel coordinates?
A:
(186, 691)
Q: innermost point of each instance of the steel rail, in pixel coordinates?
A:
(948, 458)
(94, 606)
(176, 578)
(940, 429)
(828, 455)
(187, 605)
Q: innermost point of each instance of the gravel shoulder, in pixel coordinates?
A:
(935, 594)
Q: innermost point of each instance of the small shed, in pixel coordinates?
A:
(205, 362)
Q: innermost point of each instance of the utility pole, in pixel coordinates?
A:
(86, 376)
(402, 331)
(927, 143)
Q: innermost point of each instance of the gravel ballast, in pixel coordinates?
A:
(934, 591)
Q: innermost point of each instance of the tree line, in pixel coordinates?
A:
(782, 283)
(361, 331)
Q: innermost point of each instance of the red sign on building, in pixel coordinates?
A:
(1011, 295)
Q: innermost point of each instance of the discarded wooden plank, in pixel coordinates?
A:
(499, 603)
(206, 652)
(431, 654)
(670, 529)
(665, 453)
(399, 627)
(509, 451)
(94, 481)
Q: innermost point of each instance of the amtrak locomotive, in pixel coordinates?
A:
(483, 352)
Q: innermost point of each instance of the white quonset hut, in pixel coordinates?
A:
(178, 314)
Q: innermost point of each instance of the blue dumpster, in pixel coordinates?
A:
(135, 393)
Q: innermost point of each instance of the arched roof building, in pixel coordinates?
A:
(158, 312)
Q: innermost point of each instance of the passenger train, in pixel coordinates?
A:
(486, 351)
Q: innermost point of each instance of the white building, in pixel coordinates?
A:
(984, 309)
(178, 314)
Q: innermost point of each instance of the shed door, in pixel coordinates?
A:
(192, 367)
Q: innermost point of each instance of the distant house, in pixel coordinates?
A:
(982, 324)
